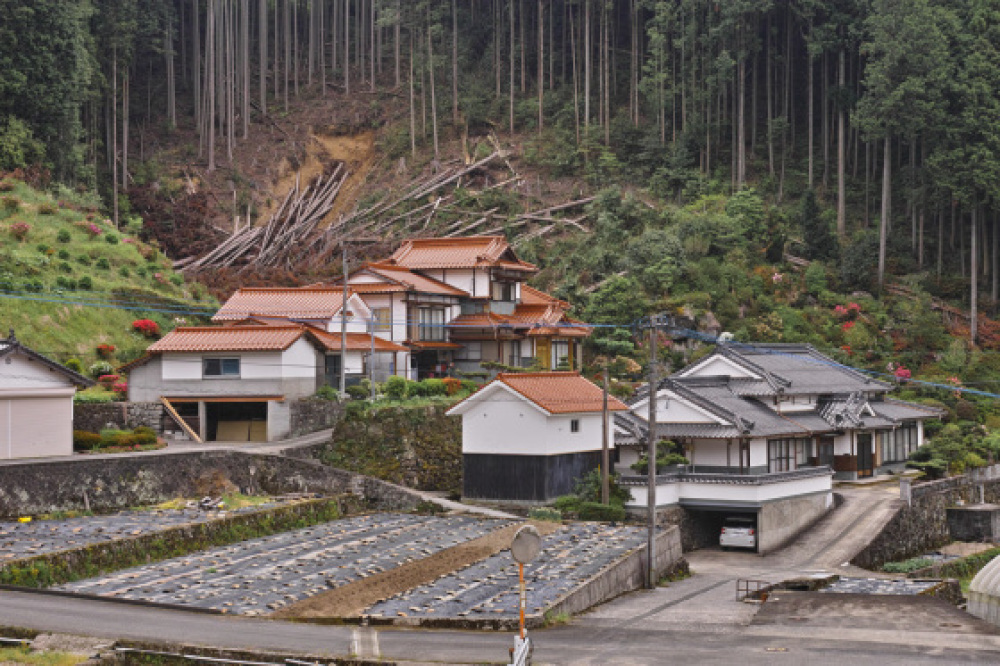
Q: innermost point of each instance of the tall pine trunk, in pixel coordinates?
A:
(886, 209)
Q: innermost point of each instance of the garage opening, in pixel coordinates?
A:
(706, 525)
(236, 421)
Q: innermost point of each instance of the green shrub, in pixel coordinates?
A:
(124, 272)
(546, 514)
(63, 254)
(602, 512)
(140, 271)
(111, 239)
(144, 430)
(327, 392)
(567, 504)
(85, 441)
(63, 236)
(42, 248)
(357, 392)
(431, 387)
(395, 388)
(113, 437)
(177, 280)
(102, 263)
(143, 439)
(356, 409)
(65, 267)
(86, 283)
(906, 566)
(75, 365)
(83, 260)
(11, 204)
(65, 283)
(100, 368)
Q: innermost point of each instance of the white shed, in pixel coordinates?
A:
(36, 403)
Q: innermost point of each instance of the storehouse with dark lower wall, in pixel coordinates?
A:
(529, 437)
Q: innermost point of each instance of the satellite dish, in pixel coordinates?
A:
(526, 545)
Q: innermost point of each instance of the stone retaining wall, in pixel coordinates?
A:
(923, 524)
(109, 482)
(94, 417)
(313, 414)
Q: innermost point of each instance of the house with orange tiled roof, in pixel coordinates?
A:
(460, 302)
(236, 382)
(528, 437)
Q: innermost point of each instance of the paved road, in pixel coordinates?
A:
(695, 621)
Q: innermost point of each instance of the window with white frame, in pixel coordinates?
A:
(560, 353)
(221, 367)
(900, 443)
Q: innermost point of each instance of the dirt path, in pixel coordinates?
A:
(351, 599)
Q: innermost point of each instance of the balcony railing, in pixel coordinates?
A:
(730, 479)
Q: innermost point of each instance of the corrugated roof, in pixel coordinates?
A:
(228, 338)
(292, 303)
(464, 252)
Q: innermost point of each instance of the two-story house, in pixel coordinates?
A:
(765, 428)
(459, 302)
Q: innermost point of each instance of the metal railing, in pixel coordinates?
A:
(732, 479)
(748, 587)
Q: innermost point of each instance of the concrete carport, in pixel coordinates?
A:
(705, 520)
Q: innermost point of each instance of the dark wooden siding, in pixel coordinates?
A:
(524, 478)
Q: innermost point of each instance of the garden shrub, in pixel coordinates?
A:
(11, 204)
(546, 514)
(85, 283)
(357, 392)
(47, 209)
(111, 239)
(85, 441)
(75, 365)
(124, 272)
(102, 263)
(146, 327)
(567, 504)
(327, 392)
(395, 388)
(83, 260)
(432, 387)
(42, 248)
(63, 236)
(144, 430)
(602, 512)
(63, 254)
(100, 368)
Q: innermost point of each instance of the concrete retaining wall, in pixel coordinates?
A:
(779, 522)
(94, 417)
(116, 482)
(624, 575)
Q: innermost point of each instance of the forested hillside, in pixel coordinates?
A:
(647, 154)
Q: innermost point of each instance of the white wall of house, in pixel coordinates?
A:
(717, 366)
(299, 360)
(505, 423)
(796, 403)
(36, 409)
(713, 452)
(357, 322)
(668, 493)
(17, 371)
(671, 409)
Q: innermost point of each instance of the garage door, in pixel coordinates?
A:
(36, 427)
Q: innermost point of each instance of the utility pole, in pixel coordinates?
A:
(343, 326)
(654, 324)
(605, 456)
(651, 467)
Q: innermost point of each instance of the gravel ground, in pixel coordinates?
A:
(262, 575)
(878, 586)
(38, 537)
(489, 588)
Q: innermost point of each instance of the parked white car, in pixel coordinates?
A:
(738, 532)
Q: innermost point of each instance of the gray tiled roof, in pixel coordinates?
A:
(798, 369)
(900, 410)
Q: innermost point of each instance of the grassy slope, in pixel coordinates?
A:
(72, 324)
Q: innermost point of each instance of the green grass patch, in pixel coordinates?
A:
(64, 288)
(906, 566)
(24, 655)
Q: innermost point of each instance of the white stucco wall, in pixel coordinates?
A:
(717, 366)
(299, 360)
(672, 493)
(182, 366)
(23, 373)
(713, 452)
(506, 424)
(671, 409)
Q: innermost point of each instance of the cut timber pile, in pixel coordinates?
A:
(293, 238)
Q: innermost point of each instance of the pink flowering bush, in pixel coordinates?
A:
(19, 230)
(159, 277)
(120, 388)
(93, 229)
(902, 372)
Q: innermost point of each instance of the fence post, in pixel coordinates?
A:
(906, 490)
